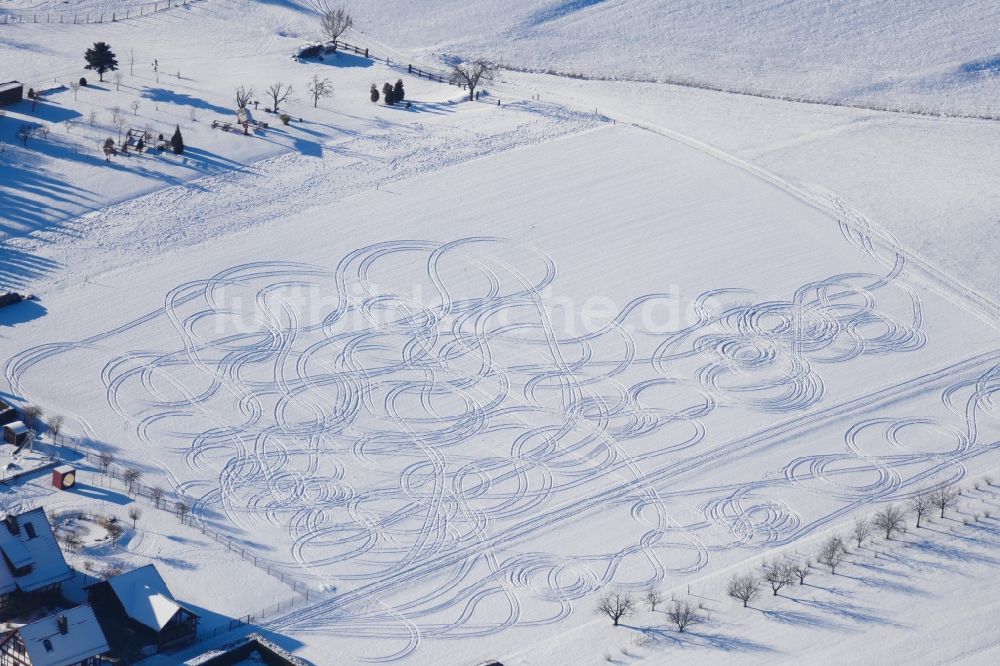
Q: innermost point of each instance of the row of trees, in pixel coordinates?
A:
(618, 606)
(889, 521)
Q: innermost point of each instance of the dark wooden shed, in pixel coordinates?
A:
(11, 92)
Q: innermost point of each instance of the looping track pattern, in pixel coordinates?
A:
(404, 422)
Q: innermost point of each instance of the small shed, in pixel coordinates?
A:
(15, 433)
(63, 477)
(11, 92)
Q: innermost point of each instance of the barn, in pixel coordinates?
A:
(11, 92)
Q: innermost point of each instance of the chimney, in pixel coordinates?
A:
(12, 525)
(63, 625)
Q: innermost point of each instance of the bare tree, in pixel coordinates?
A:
(616, 605)
(778, 574)
(182, 509)
(32, 413)
(118, 76)
(105, 458)
(278, 92)
(42, 131)
(471, 73)
(24, 132)
(75, 87)
(891, 520)
(92, 117)
(134, 105)
(743, 588)
(120, 124)
(832, 552)
(653, 597)
(135, 513)
(156, 494)
(319, 88)
(55, 427)
(116, 113)
(944, 498)
(243, 97)
(683, 614)
(334, 22)
(131, 476)
(131, 62)
(802, 569)
(862, 530)
(920, 505)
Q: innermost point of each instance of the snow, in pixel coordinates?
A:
(459, 369)
(145, 597)
(82, 640)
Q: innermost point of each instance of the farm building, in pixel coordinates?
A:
(70, 638)
(11, 92)
(137, 610)
(33, 566)
(7, 413)
(15, 433)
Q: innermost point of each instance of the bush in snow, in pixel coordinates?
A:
(285, 118)
(387, 94)
(398, 94)
(83, 82)
(374, 93)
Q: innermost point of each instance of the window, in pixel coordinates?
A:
(30, 530)
(48, 645)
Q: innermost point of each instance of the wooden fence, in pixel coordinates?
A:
(78, 18)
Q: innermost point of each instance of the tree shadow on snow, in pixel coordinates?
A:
(182, 99)
(700, 639)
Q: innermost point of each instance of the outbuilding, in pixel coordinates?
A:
(15, 433)
(11, 92)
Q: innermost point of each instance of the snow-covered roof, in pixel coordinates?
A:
(145, 597)
(17, 427)
(47, 645)
(10, 85)
(27, 539)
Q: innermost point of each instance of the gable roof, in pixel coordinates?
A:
(27, 540)
(145, 597)
(16, 427)
(48, 646)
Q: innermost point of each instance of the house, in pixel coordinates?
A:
(250, 649)
(15, 433)
(69, 638)
(33, 565)
(11, 92)
(137, 610)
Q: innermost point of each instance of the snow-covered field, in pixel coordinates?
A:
(463, 367)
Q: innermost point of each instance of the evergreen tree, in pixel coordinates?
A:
(101, 59)
(387, 94)
(398, 94)
(177, 141)
(374, 94)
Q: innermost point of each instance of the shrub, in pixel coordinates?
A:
(83, 82)
(285, 118)
(398, 94)
(374, 93)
